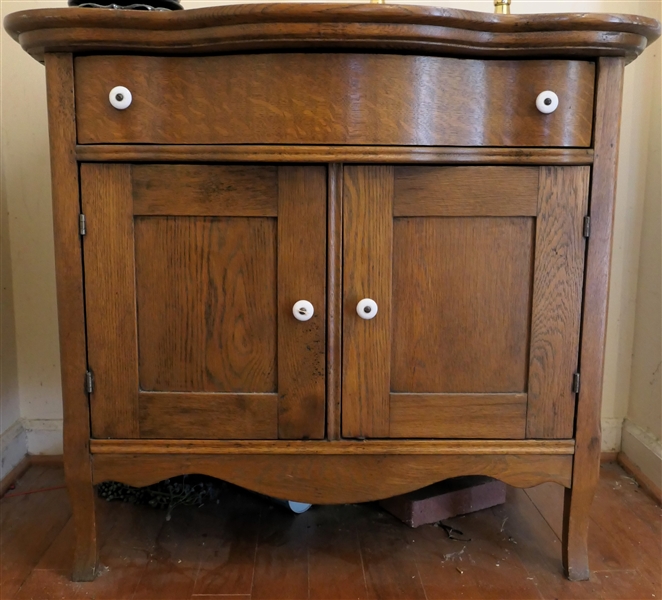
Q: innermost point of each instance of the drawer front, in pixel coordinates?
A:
(333, 99)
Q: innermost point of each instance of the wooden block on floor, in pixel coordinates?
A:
(446, 499)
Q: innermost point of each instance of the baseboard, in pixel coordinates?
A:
(14, 474)
(641, 455)
(611, 435)
(644, 482)
(43, 460)
(47, 460)
(607, 457)
(28, 442)
(13, 448)
(44, 436)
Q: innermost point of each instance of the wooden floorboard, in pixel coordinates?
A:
(389, 561)
(246, 547)
(30, 521)
(335, 565)
(229, 542)
(281, 559)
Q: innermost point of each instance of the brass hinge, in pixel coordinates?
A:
(575, 383)
(587, 226)
(89, 382)
(82, 225)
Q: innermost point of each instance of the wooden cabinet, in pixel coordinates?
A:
(332, 253)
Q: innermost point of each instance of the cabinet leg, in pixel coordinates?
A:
(576, 507)
(81, 495)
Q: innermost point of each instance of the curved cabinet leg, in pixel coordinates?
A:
(576, 510)
(81, 495)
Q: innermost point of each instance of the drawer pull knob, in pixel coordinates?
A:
(367, 308)
(120, 97)
(547, 102)
(303, 310)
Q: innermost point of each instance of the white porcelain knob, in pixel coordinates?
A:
(367, 308)
(547, 102)
(303, 310)
(120, 97)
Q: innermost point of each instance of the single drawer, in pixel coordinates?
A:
(317, 98)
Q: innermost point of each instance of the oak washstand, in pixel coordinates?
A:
(332, 253)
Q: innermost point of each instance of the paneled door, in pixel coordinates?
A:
(462, 300)
(191, 275)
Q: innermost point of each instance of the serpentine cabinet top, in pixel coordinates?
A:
(381, 27)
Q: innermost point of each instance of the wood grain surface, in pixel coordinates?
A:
(301, 276)
(409, 447)
(214, 416)
(465, 191)
(110, 297)
(206, 290)
(71, 310)
(140, 153)
(428, 29)
(333, 479)
(205, 191)
(367, 272)
(461, 304)
(476, 416)
(557, 301)
(276, 98)
(586, 465)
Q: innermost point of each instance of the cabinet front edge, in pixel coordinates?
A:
(314, 154)
(448, 447)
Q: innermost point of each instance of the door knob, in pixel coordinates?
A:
(303, 310)
(547, 102)
(120, 97)
(367, 308)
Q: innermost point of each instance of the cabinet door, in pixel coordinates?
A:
(191, 274)
(477, 277)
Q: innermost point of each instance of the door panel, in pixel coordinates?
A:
(477, 273)
(190, 282)
(472, 335)
(221, 274)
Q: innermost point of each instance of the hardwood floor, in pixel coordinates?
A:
(246, 547)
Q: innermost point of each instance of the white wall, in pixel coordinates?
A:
(27, 179)
(26, 188)
(13, 443)
(643, 427)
